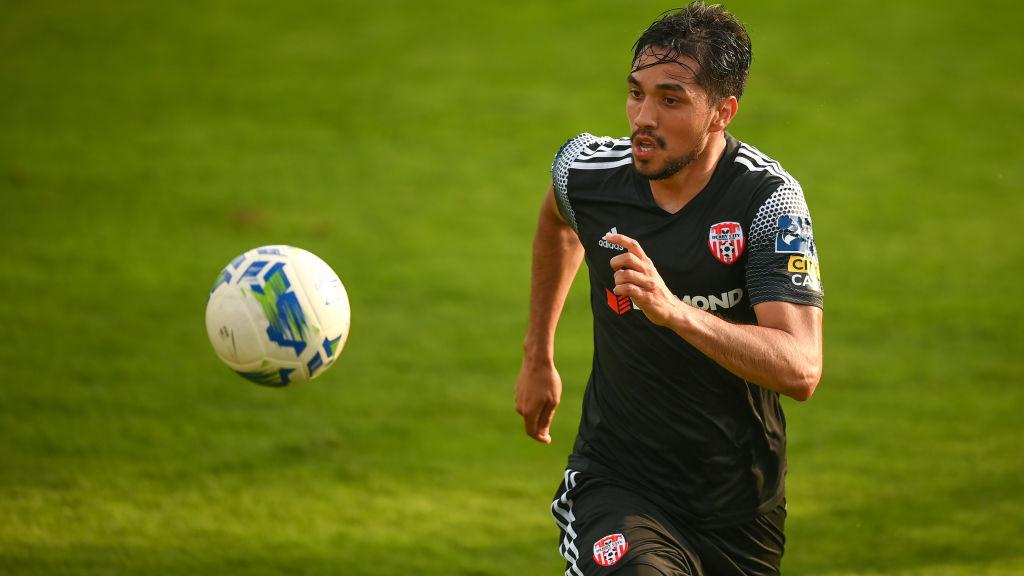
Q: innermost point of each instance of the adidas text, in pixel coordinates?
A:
(606, 244)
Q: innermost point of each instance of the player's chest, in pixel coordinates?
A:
(700, 252)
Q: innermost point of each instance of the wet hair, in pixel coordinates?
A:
(708, 34)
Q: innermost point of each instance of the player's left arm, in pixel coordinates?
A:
(782, 352)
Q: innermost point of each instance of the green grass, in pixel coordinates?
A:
(408, 145)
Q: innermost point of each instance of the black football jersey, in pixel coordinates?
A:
(658, 415)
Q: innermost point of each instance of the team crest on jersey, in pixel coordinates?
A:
(610, 549)
(726, 241)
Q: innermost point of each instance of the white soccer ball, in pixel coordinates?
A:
(278, 315)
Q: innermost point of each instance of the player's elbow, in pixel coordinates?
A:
(804, 381)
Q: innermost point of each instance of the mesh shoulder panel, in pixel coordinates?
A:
(783, 215)
(566, 155)
(783, 261)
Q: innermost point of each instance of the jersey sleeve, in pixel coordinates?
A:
(567, 154)
(783, 259)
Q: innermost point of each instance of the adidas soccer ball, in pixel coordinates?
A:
(278, 315)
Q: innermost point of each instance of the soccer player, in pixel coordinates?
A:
(706, 297)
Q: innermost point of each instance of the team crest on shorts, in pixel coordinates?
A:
(610, 549)
(726, 241)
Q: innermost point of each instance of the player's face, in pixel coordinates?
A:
(669, 114)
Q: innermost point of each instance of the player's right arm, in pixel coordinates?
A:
(557, 254)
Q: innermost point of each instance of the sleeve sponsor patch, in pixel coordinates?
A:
(804, 271)
(782, 256)
(794, 235)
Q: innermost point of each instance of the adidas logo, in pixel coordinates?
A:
(606, 244)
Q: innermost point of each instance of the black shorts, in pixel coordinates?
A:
(607, 529)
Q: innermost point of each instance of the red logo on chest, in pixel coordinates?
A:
(619, 304)
(726, 241)
(611, 548)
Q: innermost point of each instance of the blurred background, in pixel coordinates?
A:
(143, 145)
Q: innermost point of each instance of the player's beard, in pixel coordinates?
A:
(672, 165)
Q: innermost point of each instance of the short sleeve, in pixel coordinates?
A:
(566, 155)
(783, 259)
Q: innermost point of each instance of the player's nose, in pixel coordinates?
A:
(645, 115)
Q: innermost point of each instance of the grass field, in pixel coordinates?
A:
(408, 143)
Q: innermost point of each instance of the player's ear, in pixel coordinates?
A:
(723, 113)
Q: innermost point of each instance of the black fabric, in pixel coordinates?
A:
(658, 415)
(657, 543)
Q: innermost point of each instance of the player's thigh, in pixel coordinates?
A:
(607, 530)
(751, 549)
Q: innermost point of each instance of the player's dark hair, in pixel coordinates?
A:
(710, 35)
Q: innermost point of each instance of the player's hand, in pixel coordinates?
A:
(636, 277)
(538, 392)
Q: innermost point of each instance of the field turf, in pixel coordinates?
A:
(143, 145)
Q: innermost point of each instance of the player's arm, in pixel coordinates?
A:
(782, 352)
(557, 254)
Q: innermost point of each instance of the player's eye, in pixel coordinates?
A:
(634, 93)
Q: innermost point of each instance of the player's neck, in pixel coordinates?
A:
(675, 192)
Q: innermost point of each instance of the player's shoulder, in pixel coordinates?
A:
(778, 202)
(588, 152)
(760, 170)
(770, 196)
(585, 165)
